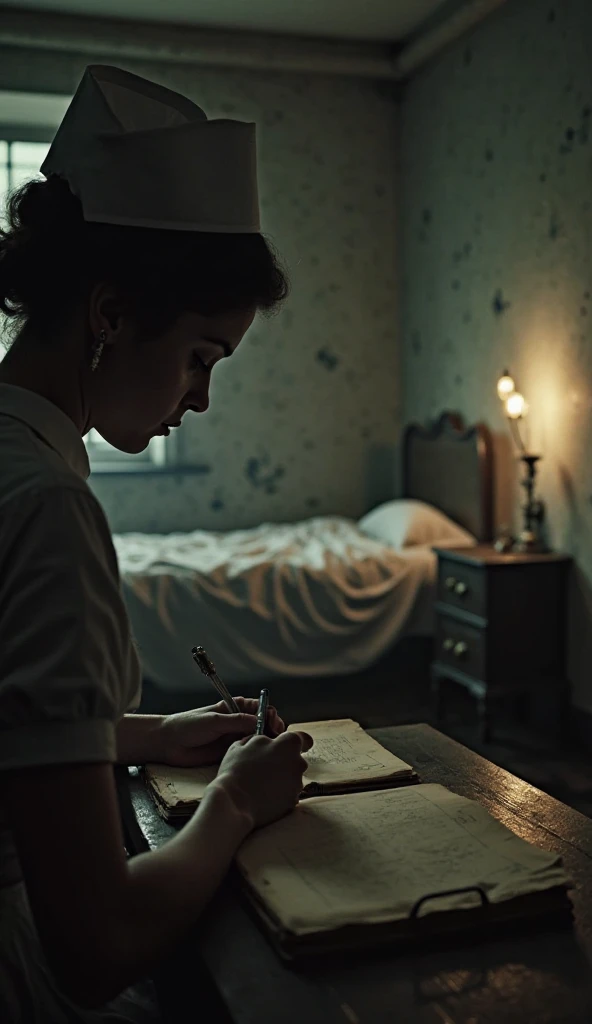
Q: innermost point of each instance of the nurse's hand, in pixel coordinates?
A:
(203, 736)
(263, 777)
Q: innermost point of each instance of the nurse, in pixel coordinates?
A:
(126, 275)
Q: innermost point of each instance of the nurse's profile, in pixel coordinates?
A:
(125, 276)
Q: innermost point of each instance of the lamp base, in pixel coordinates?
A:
(529, 543)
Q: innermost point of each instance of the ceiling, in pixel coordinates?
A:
(376, 20)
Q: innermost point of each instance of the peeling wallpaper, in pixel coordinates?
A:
(496, 217)
(304, 419)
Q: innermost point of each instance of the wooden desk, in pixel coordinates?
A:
(528, 978)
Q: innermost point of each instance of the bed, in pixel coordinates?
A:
(325, 598)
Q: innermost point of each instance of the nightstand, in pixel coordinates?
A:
(500, 627)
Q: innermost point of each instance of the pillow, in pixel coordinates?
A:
(405, 523)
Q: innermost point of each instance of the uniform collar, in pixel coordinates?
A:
(50, 423)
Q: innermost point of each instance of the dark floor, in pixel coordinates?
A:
(530, 752)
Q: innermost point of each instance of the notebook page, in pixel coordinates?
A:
(178, 787)
(368, 857)
(344, 753)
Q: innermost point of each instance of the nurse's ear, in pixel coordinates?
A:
(106, 314)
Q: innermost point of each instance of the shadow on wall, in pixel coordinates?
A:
(579, 636)
(505, 470)
(579, 640)
(382, 475)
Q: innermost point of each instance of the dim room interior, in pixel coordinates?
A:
(386, 512)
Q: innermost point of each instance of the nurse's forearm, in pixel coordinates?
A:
(105, 921)
(137, 738)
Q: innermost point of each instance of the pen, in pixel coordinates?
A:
(262, 712)
(206, 665)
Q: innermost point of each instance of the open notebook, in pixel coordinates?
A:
(342, 759)
(369, 867)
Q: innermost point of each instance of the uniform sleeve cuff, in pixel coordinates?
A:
(54, 742)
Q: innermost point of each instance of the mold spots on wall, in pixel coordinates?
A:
(426, 223)
(464, 253)
(262, 475)
(554, 229)
(568, 140)
(327, 359)
(499, 304)
(579, 135)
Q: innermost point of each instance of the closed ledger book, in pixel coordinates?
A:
(342, 759)
(345, 872)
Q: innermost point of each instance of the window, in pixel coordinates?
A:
(162, 453)
(19, 161)
(22, 151)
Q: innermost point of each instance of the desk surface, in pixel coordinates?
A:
(543, 978)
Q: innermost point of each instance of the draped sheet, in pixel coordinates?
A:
(310, 598)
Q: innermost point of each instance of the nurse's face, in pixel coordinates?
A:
(144, 386)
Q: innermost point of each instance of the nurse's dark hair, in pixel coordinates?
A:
(50, 258)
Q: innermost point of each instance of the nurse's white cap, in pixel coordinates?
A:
(141, 155)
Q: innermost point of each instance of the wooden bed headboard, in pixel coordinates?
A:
(450, 466)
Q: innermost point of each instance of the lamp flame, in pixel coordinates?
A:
(516, 407)
(505, 386)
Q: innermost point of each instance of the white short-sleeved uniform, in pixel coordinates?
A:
(68, 666)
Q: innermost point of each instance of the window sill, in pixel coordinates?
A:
(143, 469)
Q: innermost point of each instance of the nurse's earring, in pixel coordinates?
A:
(100, 344)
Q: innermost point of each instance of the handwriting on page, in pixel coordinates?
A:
(343, 753)
(371, 856)
(338, 750)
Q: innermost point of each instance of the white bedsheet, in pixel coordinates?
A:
(312, 598)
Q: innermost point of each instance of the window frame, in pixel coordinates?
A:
(173, 458)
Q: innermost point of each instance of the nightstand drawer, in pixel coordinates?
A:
(462, 586)
(461, 646)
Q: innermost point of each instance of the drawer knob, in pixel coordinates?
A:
(450, 583)
(460, 649)
(461, 589)
(448, 644)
